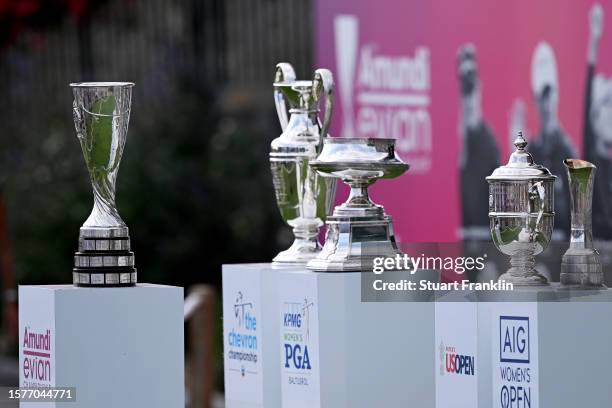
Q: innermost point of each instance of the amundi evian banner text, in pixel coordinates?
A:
(453, 81)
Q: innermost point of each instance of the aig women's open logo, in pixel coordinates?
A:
(516, 378)
(514, 339)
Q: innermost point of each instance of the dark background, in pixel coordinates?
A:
(194, 185)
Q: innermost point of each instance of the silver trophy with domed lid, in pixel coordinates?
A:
(101, 113)
(521, 214)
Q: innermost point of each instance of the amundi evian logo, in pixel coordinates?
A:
(384, 95)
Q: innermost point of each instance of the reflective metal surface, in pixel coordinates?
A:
(521, 214)
(581, 265)
(101, 112)
(359, 229)
(303, 197)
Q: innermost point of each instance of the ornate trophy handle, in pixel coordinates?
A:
(537, 191)
(323, 83)
(284, 74)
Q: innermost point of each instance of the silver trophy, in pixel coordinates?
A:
(358, 230)
(521, 214)
(101, 113)
(581, 266)
(303, 197)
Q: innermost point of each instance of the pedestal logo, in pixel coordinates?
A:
(299, 341)
(515, 356)
(242, 338)
(36, 353)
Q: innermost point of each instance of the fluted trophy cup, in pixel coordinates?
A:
(101, 113)
(304, 198)
(581, 264)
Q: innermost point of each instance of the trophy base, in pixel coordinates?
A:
(581, 269)
(352, 243)
(524, 278)
(523, 272)
(104, 277)
(104, 258)
(299, 253)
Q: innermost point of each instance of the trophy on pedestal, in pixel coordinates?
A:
(521, 214)
(358, 230)
(581, 265)
(101, 113)
(304, 198)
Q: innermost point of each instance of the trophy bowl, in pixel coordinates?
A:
(521, 214)
(349, 158)
(359, 229)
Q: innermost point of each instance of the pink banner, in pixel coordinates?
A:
(453, 81)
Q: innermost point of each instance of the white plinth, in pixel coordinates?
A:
(250, 336)
(318, 345)
(546, 354)
(120, 347)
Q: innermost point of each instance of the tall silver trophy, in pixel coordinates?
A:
(359, 230)
(581, 265)
(304, 198)
(521, 214)
(101, 113)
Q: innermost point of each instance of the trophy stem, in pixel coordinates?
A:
(307, 232)
(305, 246)
(358, 203)
(358, 196)
(104, 212)
(522, 271)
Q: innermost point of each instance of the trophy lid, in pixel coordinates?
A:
(521, 165)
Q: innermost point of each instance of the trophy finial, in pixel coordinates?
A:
(520, 157)
(520, 141)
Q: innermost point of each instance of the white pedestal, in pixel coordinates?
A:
(250, 336)
(120, 347)
(546, 354)
(456, 361)
(318, 345)
(370, 354)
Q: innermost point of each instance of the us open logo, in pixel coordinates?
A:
(452, 362)
(514, 339)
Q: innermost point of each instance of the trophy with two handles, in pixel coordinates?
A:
(304, 197)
